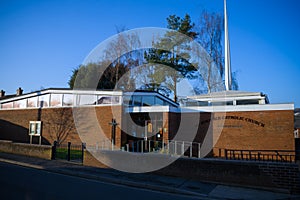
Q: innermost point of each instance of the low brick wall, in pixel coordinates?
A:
(279, 176)
(90, 160)
(33, 150)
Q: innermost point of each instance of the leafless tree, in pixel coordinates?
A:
(60, 124)
(210, 28)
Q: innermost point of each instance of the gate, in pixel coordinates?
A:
(70, 152)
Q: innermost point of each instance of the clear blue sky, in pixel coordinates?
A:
(42, 41)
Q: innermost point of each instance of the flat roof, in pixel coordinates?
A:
(229, 95)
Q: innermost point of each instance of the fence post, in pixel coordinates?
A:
(191, 150)
(199, 147)
(182, 148)
(53, 157)
(175, 153)
(69, 151)
(83, 146)
(132, 146)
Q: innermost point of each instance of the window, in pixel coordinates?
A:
(108, 100)
(247, 102)
(32, 102)
(137, 100)
(35, 128)
(20, 103)
(126, 101)
(55, 100)
(159, 101)
(222, 103)
(87, 99)
(44, 101)
(7, 105)
(68, 100)
(148, 100)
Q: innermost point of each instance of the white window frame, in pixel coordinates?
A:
(35, 128)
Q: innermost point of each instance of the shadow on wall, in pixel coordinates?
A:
(16, 133)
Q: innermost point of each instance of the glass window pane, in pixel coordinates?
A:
(68, 100)
(108, 100)
(20, 103)
(38, 128)
(126, 101)
(32, 128)
(55, 100)
(137, 100)
(148, 100)
(159, 101)
(44, 100)
(32, 102)
(115, 100)
(87, 99)
(7, 105)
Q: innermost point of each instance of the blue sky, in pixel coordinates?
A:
(42, 41)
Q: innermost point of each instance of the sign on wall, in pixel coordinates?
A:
(35, 128)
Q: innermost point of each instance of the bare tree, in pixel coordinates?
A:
(210, 30)
(124, 56)
(60, 124)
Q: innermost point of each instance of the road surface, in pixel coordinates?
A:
(17, 182)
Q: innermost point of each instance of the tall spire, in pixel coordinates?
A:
(227, 52)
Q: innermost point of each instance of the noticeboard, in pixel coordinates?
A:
(35, 128)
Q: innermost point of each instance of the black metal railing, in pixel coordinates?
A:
(68, 151)
(258, 155)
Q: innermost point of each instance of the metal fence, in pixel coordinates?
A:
(68, 151)
(258, 155)
(170, 147)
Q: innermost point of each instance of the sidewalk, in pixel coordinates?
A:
(147, 181)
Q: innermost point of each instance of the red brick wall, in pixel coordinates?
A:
(282, 176)
(242, 130)
(14, 124)
(260, 130)
(252, 130)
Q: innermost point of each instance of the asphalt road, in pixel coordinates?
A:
(17, 182)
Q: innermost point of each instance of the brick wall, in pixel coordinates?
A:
(284, 177)
(39, 151)
(281, 176)
(260, 130)
(14, 124)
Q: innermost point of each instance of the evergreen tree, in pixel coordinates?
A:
(172, 50)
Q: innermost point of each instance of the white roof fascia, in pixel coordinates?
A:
(221, 99)
(150, 109)
(53, 91)
(238, 108)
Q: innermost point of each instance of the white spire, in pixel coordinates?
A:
(227, 52)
